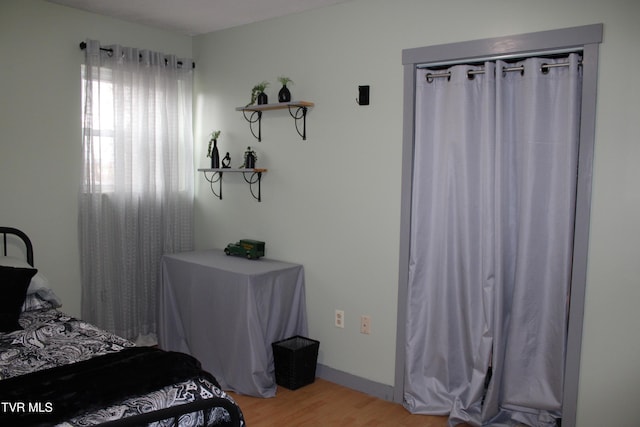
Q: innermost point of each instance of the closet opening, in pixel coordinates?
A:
(547, 52)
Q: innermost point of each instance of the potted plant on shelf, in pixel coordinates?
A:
(284, 95)
(212, 150)
(257, 94)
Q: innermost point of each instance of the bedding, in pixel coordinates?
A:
(59, 370)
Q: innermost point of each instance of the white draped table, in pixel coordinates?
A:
(226, 311)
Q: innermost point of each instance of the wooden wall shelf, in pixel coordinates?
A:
(297, 110)
(216, 177)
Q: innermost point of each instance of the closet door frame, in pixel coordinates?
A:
(585, 39)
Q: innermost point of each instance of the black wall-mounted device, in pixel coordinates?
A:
(363, 95)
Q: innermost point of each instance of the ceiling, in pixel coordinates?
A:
(193, 17)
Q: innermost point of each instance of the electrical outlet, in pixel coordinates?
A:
(365, 324)
(339, 319)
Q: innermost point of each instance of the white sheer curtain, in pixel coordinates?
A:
(136, 197)
(495, 167)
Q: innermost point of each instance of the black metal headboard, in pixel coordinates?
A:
(4, 231)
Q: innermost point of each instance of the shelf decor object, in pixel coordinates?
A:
(258, 95)
(297, 110)
(250, 158)
(212, 150)
(253, 176)
(284, 95)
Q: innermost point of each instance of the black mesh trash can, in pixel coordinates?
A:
(295, 361)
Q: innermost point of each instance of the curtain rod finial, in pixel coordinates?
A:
(83, 45)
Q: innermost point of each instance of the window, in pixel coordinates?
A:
(101, 130)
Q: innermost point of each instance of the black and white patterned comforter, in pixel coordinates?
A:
(50, 338)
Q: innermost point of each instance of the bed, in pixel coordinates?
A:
(59, 370)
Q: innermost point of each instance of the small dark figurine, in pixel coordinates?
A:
(226, 162)
(250, 159)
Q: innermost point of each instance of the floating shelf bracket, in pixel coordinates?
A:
(255, 115)
(300, 114)
(254, 178)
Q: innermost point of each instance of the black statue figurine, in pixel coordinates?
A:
(226, 162)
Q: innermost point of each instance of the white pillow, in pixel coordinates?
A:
(38, 282)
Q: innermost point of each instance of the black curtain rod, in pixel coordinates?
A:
(83, 46)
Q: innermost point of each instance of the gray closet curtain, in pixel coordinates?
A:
(495, 167)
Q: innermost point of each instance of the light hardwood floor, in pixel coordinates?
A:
(326, 404)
